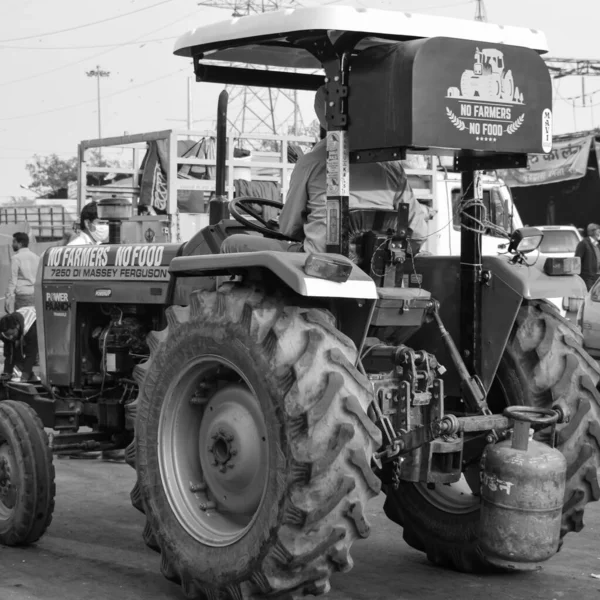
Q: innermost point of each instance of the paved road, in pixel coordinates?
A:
(93, 551)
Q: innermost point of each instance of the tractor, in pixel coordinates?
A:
(488, 80)
(265, 397)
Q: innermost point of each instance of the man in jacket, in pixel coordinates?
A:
(23, 271)
(19, 332)
(589, 253)
(303, 218)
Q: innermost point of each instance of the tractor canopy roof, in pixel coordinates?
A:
(423, 66)
(281, 38)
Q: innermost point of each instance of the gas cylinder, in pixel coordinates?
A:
(522, 495)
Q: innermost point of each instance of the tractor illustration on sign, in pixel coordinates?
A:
(488, 80)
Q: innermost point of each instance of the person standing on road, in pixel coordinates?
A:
(18, 330)
(93, 230)
(589, 253)
(23, 271)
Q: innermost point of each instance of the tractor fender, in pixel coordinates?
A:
(506, 287)
(530, 281)
(286, 266)
(509, 285)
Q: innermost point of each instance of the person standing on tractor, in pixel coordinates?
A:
(92, 230)
(303, 218)
(588, 251)
(19, 333)
(24, 266)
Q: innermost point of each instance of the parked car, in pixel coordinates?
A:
(561, 241)
(588, 320)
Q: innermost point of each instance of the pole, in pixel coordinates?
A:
(218, 206)
(97, 74)
(99, 109)
(471, 271)
(190, 105)
(295, 112)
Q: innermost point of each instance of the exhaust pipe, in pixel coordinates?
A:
(218, 207)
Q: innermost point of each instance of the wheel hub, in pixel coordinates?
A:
(222, 450)
(7, 488)
(233, 462)
(213, 452)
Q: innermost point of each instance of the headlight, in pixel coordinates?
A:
(328, 267)
(526, 239)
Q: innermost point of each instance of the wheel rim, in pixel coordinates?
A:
(8, 490)
(458, 498)
(213, 451)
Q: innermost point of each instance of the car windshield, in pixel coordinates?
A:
(558, 240)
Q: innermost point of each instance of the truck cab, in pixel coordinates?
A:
(443, 197)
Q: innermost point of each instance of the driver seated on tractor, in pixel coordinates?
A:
(19, 333)
(379, 186)
(92, 230)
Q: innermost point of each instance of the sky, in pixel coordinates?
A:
(48, 103)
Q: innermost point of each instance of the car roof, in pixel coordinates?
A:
(556, 227)
(276, 38)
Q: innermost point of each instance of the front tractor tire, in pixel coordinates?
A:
(544, 365)
(27, 486)
(253, 446)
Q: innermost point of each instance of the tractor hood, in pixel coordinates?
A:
(443, 93)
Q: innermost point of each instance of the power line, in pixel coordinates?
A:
(155, 40)
(93, 56)
(66, 107)
(82, 26)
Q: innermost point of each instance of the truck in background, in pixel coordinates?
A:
(48, 220)
(181, 199)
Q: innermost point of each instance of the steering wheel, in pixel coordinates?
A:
(269, 229)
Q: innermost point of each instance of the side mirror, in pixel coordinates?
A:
(525, 240)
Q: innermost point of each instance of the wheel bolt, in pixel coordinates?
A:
(233, 452)
(195, 487)
(230, 465)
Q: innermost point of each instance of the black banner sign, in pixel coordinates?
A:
(448, 93)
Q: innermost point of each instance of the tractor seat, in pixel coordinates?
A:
(362, 221)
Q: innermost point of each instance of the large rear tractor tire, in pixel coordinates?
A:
(544, 365)
(253, 446)
(27, 486)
